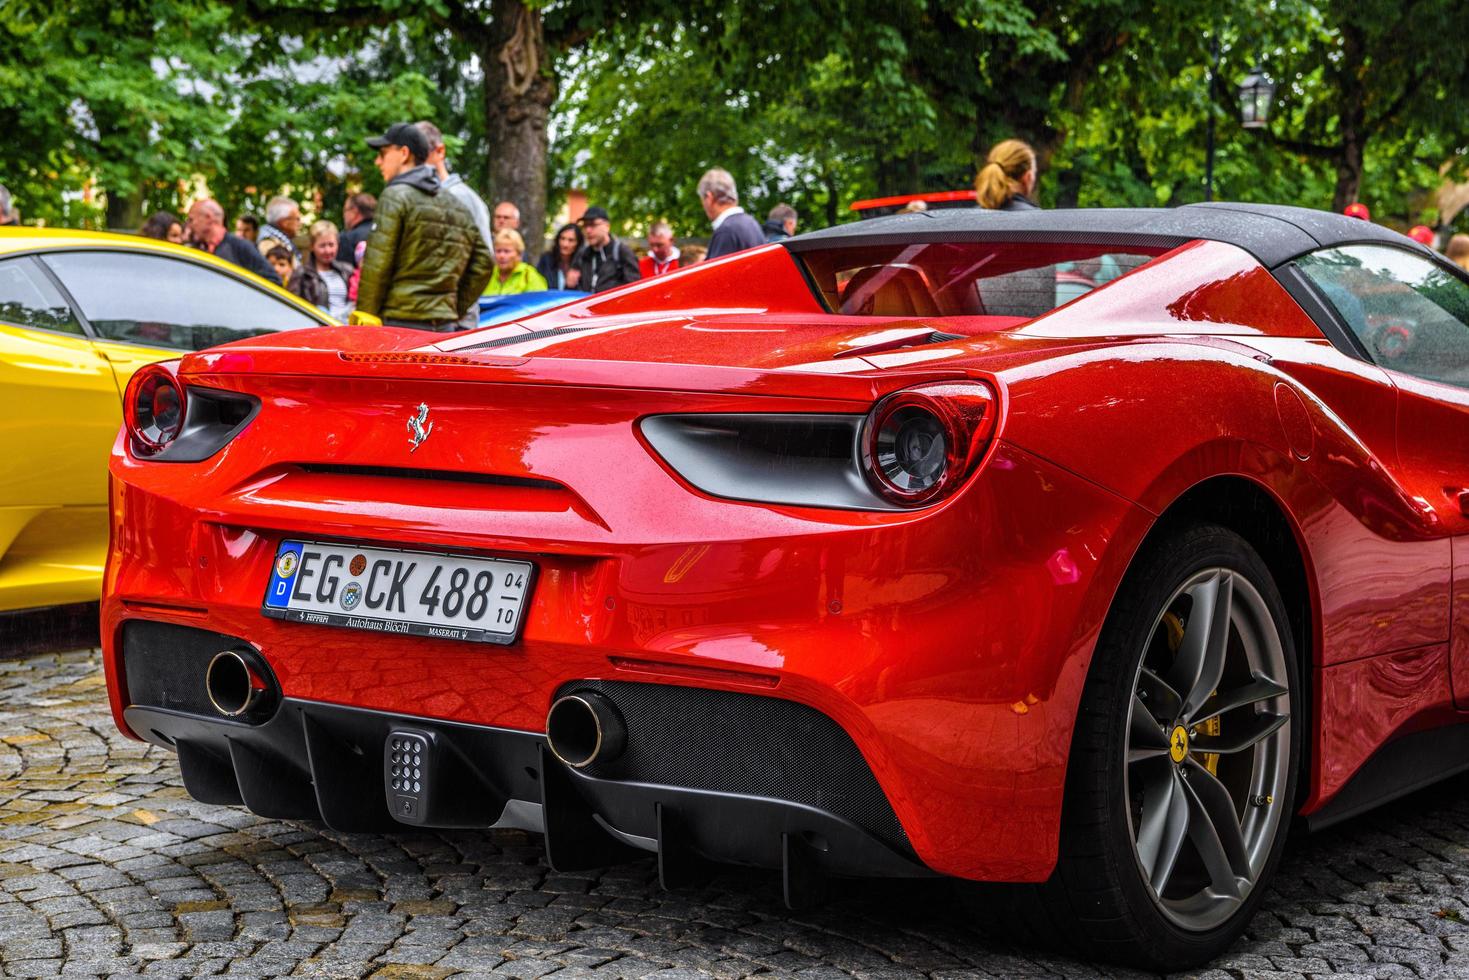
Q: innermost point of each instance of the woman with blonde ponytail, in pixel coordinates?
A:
(1007, 179)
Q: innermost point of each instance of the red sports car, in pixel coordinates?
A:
(886, 550)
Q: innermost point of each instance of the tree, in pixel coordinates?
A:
(136, 102)
(1359, 80)
(816, 104)
(637, 131)
(1138, 136)
(126, 94)
(302, 124)
(127, 104)
(515, 52)
(521, 48)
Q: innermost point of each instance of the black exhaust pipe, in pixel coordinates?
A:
(584, 728)
(237, 684)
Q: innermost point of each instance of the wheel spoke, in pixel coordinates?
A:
(1210, 692)
(1163, 701)
(1258, 689)
(1200, 661)
(1146, 738)
(1163, 828)
(1242, 734)
(1214, 830)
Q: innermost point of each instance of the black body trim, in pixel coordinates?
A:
(212, 419)
(1322, 313)
(738, 744)
(446, 476)
(310, 760)
(521, 338)
(1273, 234)
(1400, 767)
(799, 459)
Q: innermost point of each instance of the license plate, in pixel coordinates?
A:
(418, 593)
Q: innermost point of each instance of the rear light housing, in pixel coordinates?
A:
(919, 444)
(169, 422)
(913, 449)
(154, 408)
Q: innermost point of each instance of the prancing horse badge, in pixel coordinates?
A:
(417, 431)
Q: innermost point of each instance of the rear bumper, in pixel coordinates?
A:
(796, 791)
(949, 645)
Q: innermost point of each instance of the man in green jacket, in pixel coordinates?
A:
(426, 262)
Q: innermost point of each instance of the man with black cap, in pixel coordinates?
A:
(604, 261)
(426, 263)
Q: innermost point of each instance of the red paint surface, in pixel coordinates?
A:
(964, 631)
(1367, 702)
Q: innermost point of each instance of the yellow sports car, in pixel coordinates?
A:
(79, 312)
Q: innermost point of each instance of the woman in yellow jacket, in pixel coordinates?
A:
(511, 274)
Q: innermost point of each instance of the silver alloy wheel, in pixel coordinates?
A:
(1208, 748)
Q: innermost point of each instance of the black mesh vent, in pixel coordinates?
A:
(939, 337)
(521, 338)
(744, 743)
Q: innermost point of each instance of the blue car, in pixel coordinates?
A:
(503, 309)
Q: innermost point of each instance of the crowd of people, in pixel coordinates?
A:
(423, 253)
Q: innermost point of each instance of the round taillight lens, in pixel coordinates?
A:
(154, 409)
(910, 450)
(920, 443)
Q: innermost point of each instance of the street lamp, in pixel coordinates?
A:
(1256, 93)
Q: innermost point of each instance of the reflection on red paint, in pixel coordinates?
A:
(1063, 569)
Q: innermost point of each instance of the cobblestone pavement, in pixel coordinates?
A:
(108, 868)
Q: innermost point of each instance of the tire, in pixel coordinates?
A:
(1133, 779)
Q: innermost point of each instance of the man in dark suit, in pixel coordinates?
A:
(734, 230)
(206, 223)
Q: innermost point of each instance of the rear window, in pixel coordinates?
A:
(964, 278)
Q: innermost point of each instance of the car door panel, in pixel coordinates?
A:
(1387, 586)
(126, 359)
(1410, 315)
(1433, 446)
(75, 324)
(59, 415)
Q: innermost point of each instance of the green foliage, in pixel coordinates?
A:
(141, 106)
(814, 105)
(310, 136)
(123, 98)
(135, 102)
(905, 96)
(637, 133)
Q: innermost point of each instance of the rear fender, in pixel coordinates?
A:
(1376, 558)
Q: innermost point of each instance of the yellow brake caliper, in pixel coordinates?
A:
(1174, 626)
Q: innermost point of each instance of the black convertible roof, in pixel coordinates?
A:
(1272, 233)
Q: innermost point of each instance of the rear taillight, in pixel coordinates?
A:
(154, 408)
(919, 444)
(167, 422)
(914, 448)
